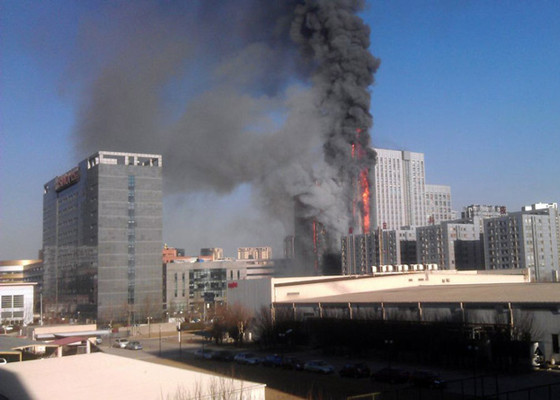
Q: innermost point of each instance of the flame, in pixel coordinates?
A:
(364, 186)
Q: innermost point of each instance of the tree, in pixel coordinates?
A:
(231, 319)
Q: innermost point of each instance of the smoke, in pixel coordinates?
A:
(263, 93)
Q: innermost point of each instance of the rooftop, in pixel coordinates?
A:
(530, 293)
(104, 376)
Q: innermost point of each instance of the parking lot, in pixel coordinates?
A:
(291, 383)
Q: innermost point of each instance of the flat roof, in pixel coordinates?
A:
(103, 376)
(8, 343)
(541, 293)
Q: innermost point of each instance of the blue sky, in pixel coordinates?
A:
(473, 85)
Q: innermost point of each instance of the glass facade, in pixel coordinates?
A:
(102, 238)
(207, 282)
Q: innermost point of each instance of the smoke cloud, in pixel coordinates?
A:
(263, 94)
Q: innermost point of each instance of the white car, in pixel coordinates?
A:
(120, 343)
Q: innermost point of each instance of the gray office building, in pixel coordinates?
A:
(102, 238)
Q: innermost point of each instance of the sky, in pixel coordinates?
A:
(475, 86)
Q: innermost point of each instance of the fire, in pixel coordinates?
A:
(364, 188)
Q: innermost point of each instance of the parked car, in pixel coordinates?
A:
(427, 379)
(247, 358)
(391, 375)
(133, 346)
(318, 366)
(120, 343)
(205, 354)
(356, 370)
(292, 363)
(272, 360)
(222, 355)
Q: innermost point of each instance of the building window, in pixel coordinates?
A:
(18, 301)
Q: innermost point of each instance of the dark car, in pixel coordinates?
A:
(272, 360)
(203, 354)
(391, 375)
(133, 346)
(426, 379)
(292, 363)
(222, 355)
(247, 359)
(356, 370)
(318, 366)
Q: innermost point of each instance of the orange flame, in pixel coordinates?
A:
(364, 186)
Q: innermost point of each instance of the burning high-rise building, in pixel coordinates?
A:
(310, 240)
(306, 61)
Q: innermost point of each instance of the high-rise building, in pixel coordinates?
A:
(524, 239)
(483, 211)
(399, 197)
(310, 241)
(360, 254)
(254, 253)
(438, 204)
(102, 238)
(451, 245)
(212, 253)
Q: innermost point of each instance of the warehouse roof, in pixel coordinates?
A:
(104, 376)
(541, 293)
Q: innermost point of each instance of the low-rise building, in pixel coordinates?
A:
(193, 285)
(28, 271)
(16, 303)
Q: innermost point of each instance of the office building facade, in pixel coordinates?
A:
(102, 238)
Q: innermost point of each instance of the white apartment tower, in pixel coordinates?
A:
(399, 196)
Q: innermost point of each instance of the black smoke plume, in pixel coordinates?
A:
(267, 94)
